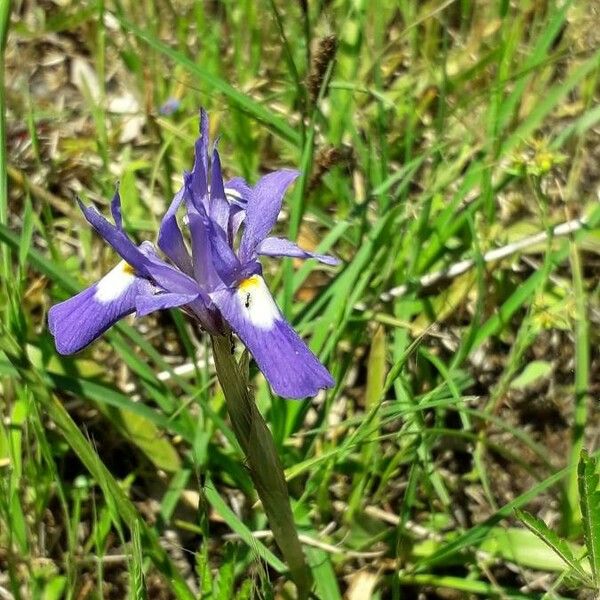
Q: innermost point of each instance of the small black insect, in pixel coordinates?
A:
(247, 303)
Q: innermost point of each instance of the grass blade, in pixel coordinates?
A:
(4, 25)
(475, 534)
(571, 515)
(217, 502)
(237, 98)
(113, 493)
(589, 498)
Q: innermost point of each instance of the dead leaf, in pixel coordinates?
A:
(361, 586)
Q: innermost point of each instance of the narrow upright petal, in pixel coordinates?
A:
(116, 237)
(236, 218)
(224, 260)
(291, 369)
(238, 193)
(170, 238)
(274, 246)
(219, 206)
(204, 269)
(199, 179)
(78, 321)
(197, 220)
(263, 208)
(115, 209)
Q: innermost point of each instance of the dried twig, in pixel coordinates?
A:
(497, 254)
(20, 179)
(309, 541)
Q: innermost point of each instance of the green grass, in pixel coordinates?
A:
(442, 130)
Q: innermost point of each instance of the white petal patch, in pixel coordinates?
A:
(256, 303)
(115, 283)
(232, 194)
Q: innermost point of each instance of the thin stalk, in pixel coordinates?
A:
(4, 25)
(263, 461)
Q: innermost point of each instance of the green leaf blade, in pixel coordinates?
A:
(589, 499)
(559, 545)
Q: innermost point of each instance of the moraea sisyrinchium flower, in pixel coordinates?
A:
(219, 283)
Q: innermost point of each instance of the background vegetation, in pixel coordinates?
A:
(428, 134)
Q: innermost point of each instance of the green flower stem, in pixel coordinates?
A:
(265, 467)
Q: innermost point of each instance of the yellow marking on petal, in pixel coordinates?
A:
(249, 284)
(128, 269)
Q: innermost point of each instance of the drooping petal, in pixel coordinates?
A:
(170, 238)
(274, 246)
(219, 206)
(116, 238)
(291, 369)
(78, 321)
(262, 210)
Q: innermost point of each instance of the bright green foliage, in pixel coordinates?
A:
(589, 504)
(532, 373)
(561, 546)
(589, 498)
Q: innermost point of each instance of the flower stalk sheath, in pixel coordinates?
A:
(263, 461)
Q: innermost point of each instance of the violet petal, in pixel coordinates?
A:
(291, 369)
(170, 238)
(78, 321)
(117, 238)
(263, 208)
(146, 304)
(219, 206)
(274, 246)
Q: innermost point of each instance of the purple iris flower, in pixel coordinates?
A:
(170, 107)
(219, 282)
